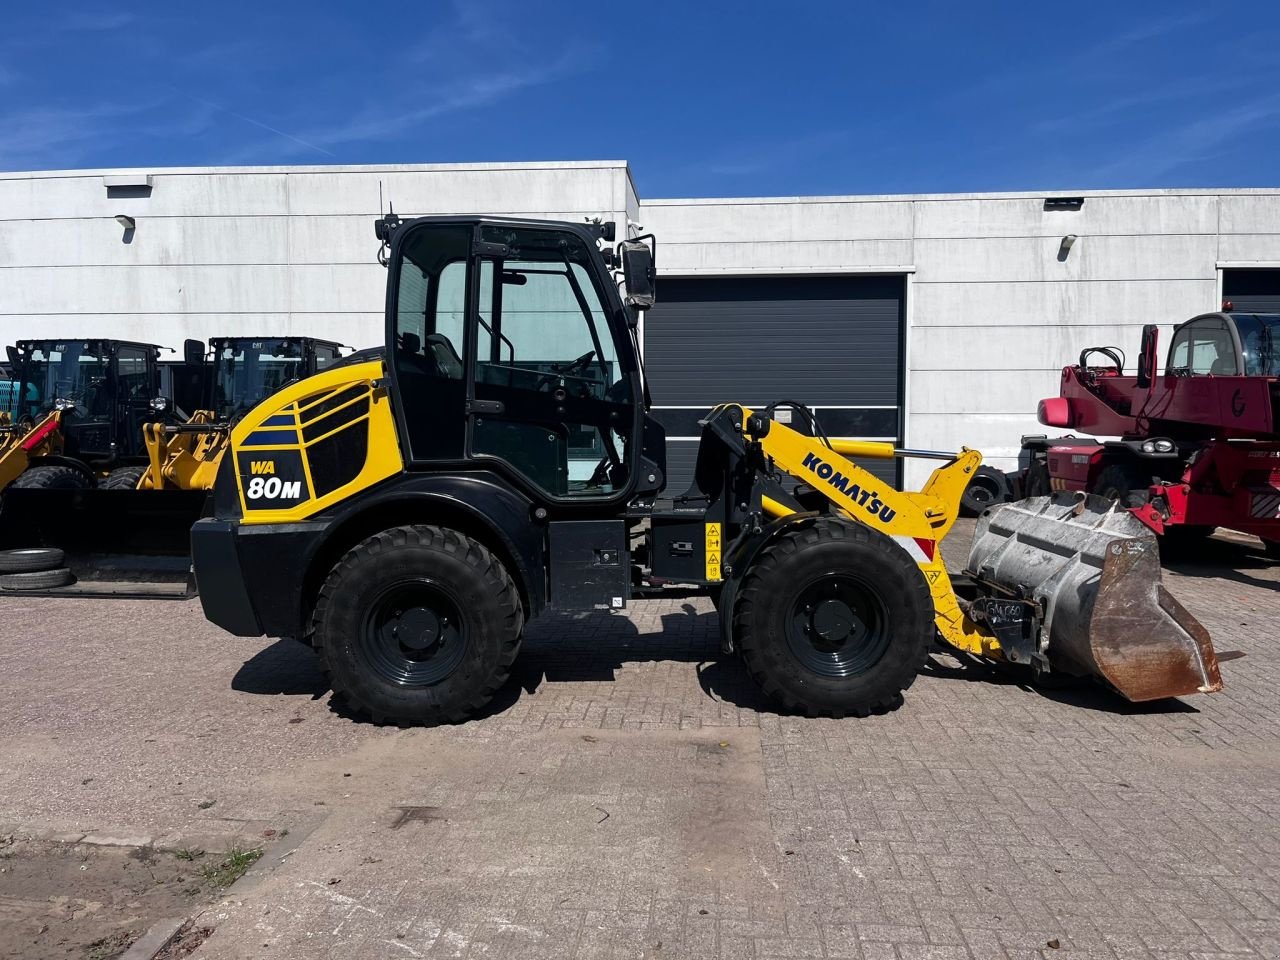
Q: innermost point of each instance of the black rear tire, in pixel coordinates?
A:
(418, 625)
(834, 619)
(30, 559)
(1272, 549)
(1037, 482)
(51, 477)
(1122, 484)
(123, 478)
(987, 488)
(38, 580)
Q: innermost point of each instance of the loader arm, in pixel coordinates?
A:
(918, 522)
(18, 447)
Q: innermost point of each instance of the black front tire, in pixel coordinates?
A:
(418, 625)
(1037, 482)
(834, 619)
(987, 488)
(51, 477)
(1122, 484)
(123, 478)
(1272, 549)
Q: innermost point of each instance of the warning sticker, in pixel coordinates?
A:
(713, 551)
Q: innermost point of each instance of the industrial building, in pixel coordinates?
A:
(931, 320)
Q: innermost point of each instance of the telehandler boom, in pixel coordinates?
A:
(408, 513)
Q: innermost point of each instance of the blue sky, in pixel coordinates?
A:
(704, 99)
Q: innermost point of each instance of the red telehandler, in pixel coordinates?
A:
(1199, 444)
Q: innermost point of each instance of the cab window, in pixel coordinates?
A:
(1203, 347)
(556, 403)
(427, 339)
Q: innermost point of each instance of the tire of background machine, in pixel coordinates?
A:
(469, 580)
(1037, 482)
(1188, 534)
(123, 478)
(30, 559)
(987, 488)
(38, 580)
(1272, 549)
(798, 560)
(1117, 482)
(51, 477)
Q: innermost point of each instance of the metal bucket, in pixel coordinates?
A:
(1093, 571)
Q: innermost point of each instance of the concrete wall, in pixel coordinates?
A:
(994, 311)
(240, 251)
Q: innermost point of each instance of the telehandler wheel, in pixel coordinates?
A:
(51, 477)
(418, 625)
(30, 559)
(987, 488)
(123, 478)
(834, 618)
(1117, 482)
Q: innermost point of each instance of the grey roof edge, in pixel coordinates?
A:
(1013, 195)
(162, 171)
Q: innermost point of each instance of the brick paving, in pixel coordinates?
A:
(630, 795)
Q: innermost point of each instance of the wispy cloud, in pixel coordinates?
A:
(264, 126)
(96, 22)
(32, 136)
(1194, 140)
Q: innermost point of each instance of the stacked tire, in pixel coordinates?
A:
(33, 568)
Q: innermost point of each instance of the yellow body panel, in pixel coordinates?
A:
(17, 448)
(918, 521)
(183, 461)
(273, 444)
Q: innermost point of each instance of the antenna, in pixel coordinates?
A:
(379, 197)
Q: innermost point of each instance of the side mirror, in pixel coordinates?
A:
(192, 353)
(1147, 355)
(640, 272)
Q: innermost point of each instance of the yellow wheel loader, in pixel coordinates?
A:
(407, 513)
(122, 521)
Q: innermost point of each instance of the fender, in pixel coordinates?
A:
(56, 460)
(741, 557)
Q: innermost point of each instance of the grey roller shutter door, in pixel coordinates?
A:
(1252, 291)
(832, 343)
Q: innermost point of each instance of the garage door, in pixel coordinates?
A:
(1252, 291)
(833, 343)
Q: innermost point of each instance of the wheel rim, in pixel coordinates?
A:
(837, 626)
(414, 634)
(982, 493)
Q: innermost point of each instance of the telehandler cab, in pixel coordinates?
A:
(406, 513)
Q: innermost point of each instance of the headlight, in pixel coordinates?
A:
(63, 404)
(1149, 447)
(1164, 446)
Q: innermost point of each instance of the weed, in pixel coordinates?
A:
(188, 854)
(232, 866)
(112, 946)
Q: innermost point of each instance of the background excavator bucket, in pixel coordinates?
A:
(1094, 571)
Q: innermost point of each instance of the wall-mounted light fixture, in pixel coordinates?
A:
(126, 221)
(1068, 242)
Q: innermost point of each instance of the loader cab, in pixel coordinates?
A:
(107, 389)
(247, 370)
(510, 349)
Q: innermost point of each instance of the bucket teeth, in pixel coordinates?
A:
(1094, 571)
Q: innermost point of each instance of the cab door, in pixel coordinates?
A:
(554, 376)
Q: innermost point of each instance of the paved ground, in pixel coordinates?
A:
(632, 797)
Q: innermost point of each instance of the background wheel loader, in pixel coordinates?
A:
(407, 514)
(121, 525)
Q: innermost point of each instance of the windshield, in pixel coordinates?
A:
(76, 371)
(249, 371)
(1260, 343)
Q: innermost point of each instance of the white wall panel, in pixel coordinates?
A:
(1058, 303)
(738, 220)
(1250, 246)
(1249, 213)
(992, 348)
(1027, 217)
(673, 258)
(1177, 257)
